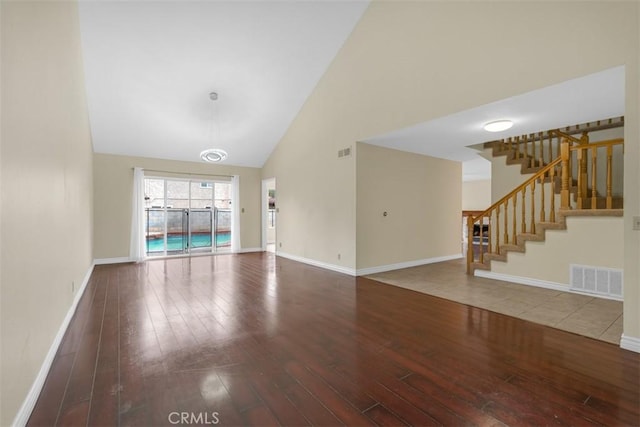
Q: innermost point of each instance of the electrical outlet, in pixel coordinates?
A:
(338, 256)
(636, 222)
(280, 244)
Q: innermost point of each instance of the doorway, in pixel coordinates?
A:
(186, 216)
(269, 215)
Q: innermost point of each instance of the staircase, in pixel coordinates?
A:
(571, 176)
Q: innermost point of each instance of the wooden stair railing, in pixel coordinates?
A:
(530, 208)
(535, 150)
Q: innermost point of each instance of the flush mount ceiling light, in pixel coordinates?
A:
(498, 125)
(214, 155)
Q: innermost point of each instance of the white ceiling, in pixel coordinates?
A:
(150, 65)
(149, 68)
(585, 99)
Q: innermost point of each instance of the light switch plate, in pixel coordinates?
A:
(636, 222)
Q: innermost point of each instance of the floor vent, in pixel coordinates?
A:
(596, 280)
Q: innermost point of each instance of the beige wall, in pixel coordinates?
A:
(46, 186)
(581, 243)
(422, 198)
(396, 70)
(632, 190)
(476, 195)
(113, 184)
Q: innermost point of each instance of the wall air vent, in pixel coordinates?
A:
(345, 152)
(602, 281)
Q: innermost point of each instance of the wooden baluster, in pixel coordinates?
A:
(550, 147)
(582, 177)
(564, 189)
(541, 157)
(489, 233)
(532, 161)
(497, 229)
(524, 210)
(516, 145)
(609, 176)
(506, 222)
(524, 146)
(594, 192)
(533, 207)
(510, 146)
(481, 240)
(514, 202)
(542, 183)
(470, 256)
(552, 202)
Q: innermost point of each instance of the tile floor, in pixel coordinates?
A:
(581, 314)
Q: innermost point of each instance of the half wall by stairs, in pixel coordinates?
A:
(577, 183)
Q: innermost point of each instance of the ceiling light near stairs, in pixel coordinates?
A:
(498, 125)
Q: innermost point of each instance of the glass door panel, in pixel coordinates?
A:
(155, 242)
(201, 216)
(177, 217)
(222, 204)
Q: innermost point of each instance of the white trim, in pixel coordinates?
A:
(539, 284)
(22, 417)
(407, 264)
(101, 261)
(247, 250)
(333, 267)
(630, 343)
(522, 280)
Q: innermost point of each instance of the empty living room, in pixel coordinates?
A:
(259, 213)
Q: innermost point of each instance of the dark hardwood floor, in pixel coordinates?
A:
(257, 340)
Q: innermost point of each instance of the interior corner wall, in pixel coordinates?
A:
(476, 195)
(408, 207)
(46, 195)
(410, 62)
(113, 187)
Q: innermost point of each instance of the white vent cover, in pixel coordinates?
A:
(596, 280)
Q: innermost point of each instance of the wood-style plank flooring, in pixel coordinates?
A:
(254, 339)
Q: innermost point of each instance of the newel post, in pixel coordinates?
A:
(469, 243)
(565, 174)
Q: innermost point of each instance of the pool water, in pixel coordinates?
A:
(198, 240)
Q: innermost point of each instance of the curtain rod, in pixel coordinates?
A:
(186, 173)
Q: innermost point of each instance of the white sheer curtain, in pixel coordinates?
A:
(136, 248)
(235, 213)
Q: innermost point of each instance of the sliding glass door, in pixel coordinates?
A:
(186, 216)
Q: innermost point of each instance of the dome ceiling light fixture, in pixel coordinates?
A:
(498, 125)
(214, 155)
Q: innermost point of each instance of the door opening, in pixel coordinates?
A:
(269, 215)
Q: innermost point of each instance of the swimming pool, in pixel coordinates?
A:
(176, 242)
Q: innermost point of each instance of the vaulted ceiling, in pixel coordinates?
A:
(150, 66)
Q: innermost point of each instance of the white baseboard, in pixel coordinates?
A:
(102, 261)
(539, 283)
(247, 250)
(407, 264)
(22, 417)
(332, 267)
(522, 280)
(630, 343)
